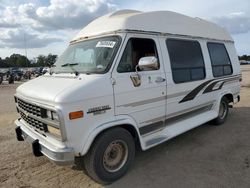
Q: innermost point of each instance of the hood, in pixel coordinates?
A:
(63, 88)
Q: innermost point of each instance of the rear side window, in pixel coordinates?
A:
(221, 63)
(186, 60)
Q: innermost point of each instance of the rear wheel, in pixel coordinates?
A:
(110, 156)
(223, 112)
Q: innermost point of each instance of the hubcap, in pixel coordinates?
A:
(115, 156)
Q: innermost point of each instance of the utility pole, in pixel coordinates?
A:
(25, 47)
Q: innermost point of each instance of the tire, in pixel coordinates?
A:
(1, 79)
(223, 112)
(110, 156)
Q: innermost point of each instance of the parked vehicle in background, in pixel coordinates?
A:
(244, 62)
(45, 70)
(129, 79)
(6, 74)
(14, 74)
(2, 75)
(32, 71)
(1, 78)
(38, 71)
(17, 73)
(27, 74)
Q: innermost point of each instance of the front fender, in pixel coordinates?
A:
(119, 120)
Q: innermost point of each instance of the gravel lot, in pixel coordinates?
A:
(207, 156)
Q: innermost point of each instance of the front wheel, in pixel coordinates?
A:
(223, 112)
(110, 156)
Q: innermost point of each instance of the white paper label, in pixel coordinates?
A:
(105, 44)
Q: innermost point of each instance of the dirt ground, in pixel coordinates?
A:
(207, 156)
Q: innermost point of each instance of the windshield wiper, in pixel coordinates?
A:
(69, 64)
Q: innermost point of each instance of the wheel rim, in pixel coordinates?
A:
(115, 156)
(223, 110)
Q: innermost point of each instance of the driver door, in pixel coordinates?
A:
(141, 95)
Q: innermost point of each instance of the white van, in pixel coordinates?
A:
(128, 79)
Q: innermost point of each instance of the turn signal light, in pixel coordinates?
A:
(75, 115)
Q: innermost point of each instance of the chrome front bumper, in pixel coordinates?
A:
(60, 155)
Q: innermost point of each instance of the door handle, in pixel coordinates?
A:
(160, 79)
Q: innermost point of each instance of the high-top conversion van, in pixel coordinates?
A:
(128, 79)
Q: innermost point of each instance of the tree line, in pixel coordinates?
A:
(244, 57)
(17, 60)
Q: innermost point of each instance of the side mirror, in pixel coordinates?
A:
(148, 63)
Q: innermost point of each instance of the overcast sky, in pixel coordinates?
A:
(47, 26)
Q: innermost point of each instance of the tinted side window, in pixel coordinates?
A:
(221, 63)
(136, 48)
(186, 60)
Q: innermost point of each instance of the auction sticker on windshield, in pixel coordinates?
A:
(106, 44)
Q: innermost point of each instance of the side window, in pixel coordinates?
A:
(136, 48)
(221, 63)
(186, 60)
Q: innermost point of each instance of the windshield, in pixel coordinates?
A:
(90, 56)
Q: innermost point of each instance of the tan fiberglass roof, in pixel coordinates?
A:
(165, 22)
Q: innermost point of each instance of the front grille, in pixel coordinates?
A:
(33, 122)
(31, 108)
(36, 117)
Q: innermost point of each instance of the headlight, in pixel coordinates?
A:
(49, 115)
(52, 115)
(53, 118)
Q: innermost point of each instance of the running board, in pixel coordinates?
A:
(178, 128)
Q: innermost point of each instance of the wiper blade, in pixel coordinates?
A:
(69, 64)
